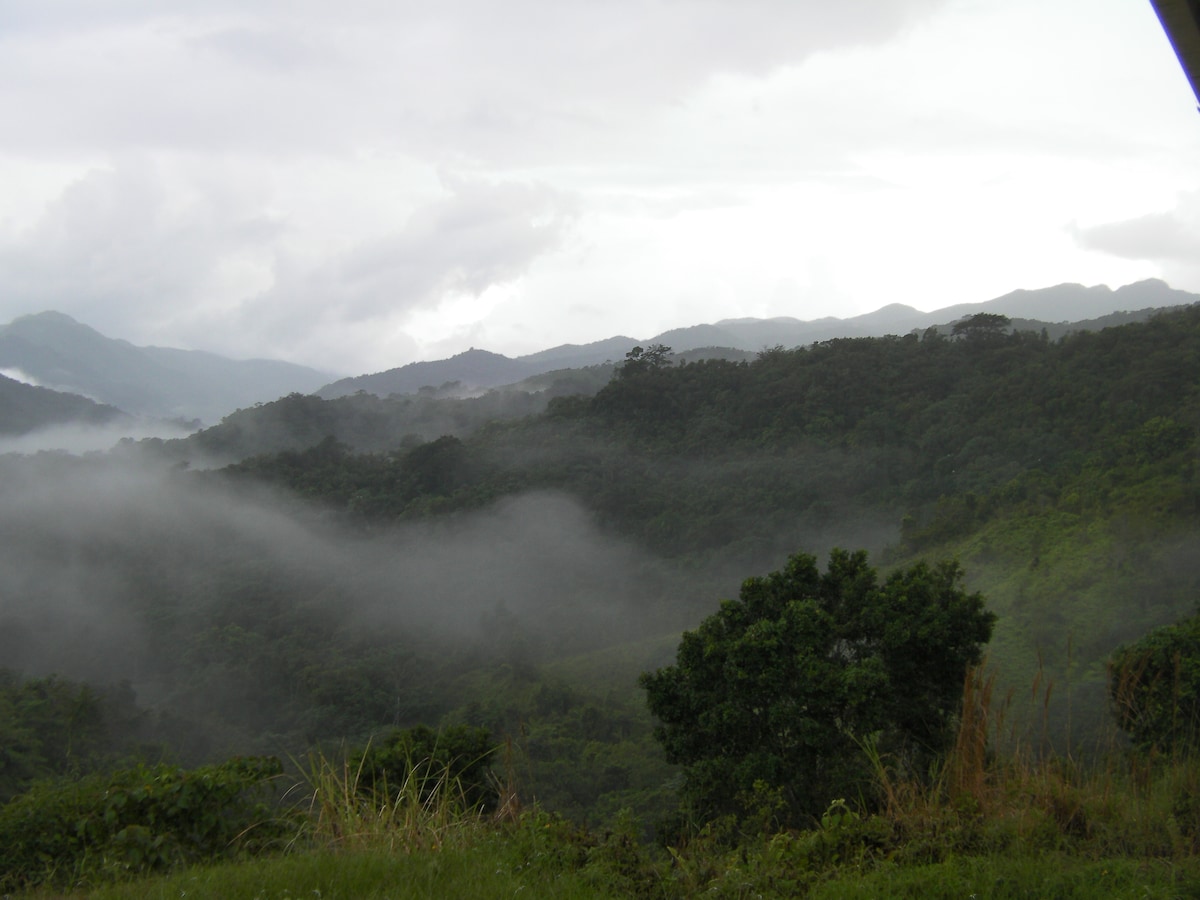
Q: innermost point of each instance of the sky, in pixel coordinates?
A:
(361, 184)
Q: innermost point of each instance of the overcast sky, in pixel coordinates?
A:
(358, 184)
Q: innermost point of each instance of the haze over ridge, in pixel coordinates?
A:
(54, 350)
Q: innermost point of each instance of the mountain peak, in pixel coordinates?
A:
(50, 315)
(474, 353)
(49, 321)
(69, 356)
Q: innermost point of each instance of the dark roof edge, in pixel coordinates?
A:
(1181, 21)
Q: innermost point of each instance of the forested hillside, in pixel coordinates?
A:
(714, 455)
(514, 562)
(1062, 472)
(25, 408)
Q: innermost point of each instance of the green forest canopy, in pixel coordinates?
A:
(1060, 473)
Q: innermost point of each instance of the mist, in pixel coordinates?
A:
(211, 601)
(79, 439)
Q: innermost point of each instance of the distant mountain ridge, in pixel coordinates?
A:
(473, 368)
(1064, 303)
(480, 369)
(1059, 309)
(56, 351)
(25, 408)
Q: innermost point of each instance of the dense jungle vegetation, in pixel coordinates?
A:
(356, 585)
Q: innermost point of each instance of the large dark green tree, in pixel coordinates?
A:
(781, 687)
(982, 327)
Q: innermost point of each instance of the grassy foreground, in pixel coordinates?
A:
(487, 870)
(482, 871)
(1012, 828)
(985, 824)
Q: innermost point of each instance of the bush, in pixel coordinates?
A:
(1154, 687)
(135, 820)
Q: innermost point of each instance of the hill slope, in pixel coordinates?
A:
(56, 351)
(25, 408)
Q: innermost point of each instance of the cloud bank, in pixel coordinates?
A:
(359, 185)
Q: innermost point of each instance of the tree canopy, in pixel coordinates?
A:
(644, 359)
(780, 687)
(982, 327)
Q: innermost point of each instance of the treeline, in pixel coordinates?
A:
(747, 459)
(367, 422)
(51, 727)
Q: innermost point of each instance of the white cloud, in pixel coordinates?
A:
(128, 246)
(477, 236)
(355, 184)
(470, 81)
(1173, 235)
(1167, 238)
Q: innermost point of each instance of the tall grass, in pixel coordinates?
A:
(1000, 789)
(347, 808)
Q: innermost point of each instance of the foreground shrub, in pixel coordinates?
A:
(136, 820)
(1154, 687)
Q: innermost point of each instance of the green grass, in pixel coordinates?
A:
(491, 869)
(484, 871)
(1003, 829)
(488, 870)
(496, 868)
(1044, 877)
